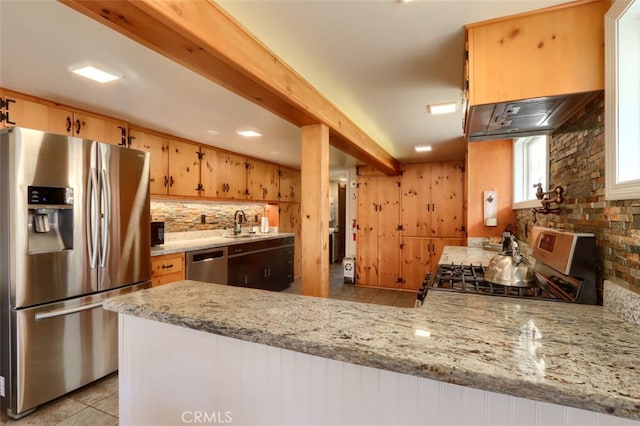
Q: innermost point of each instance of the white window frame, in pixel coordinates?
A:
(614, 128)
(521, 171)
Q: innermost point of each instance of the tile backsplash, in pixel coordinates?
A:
(187, 216)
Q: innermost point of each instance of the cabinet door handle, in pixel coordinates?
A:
(123, 136)
(5, 116)
(68, 124)
(170, 180)
(78, 126)
(166, 181)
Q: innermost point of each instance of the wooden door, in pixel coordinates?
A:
(184, 168)
(416, 200)
(99, 128)
(289, 185)
(367, 232)
(210, 175)
(447, 186)
(388, 220)
(263, 181)
(289, 220)
(418, 257)
(158, 148)
(33, 114)
(233, 182)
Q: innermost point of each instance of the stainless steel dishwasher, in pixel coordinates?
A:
(209, 265)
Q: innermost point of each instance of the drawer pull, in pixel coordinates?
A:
(167, 266)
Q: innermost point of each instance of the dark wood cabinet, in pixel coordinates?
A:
(266, 265)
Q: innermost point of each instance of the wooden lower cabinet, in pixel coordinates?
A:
(167, 268)
(419, 256)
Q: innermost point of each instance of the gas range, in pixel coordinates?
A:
(564, 270)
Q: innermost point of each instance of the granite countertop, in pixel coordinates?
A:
(576, 355)
(466, 255)
(212, 242)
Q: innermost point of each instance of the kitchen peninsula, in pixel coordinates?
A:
(257, 357)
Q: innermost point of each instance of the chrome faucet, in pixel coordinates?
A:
(239, 217)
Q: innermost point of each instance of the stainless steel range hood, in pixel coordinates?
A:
(526, 117)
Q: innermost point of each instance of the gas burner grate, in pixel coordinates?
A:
(470, 279)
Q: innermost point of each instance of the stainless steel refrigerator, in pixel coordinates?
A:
(74, 230)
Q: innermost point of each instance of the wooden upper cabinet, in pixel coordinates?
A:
(433, 200)
(447, 195)
(553, 51)
(290, 185)
(158, 148)
(210, 178)
(263, 181)
(232, 172)
(184, 168)
(99, 128)
(34, 114)
(26, 111)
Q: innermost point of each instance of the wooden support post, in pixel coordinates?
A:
(315, 210)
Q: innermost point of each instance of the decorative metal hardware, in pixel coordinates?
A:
(546, 200)
(123, 137)
(4, 103)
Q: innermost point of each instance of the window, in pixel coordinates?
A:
(622, 100)
(530, 166)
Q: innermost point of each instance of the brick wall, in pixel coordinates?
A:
(183, 216)
(576, 161)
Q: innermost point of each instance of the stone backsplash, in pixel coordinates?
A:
(186, 216)
(577, 163)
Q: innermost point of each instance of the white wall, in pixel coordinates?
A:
(171, 375)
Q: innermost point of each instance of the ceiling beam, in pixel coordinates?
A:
(202, 37)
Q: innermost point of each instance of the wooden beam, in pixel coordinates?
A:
(315, 210)
(199, 35)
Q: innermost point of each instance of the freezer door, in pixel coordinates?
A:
(125, 246)
(37, 272)
(59, 347)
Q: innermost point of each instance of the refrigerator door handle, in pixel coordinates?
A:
(61, 312)
(105, 198)
(92, 226)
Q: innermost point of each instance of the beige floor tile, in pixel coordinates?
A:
(109, 405)
(48, 414)
(97, 391)
(90, 416)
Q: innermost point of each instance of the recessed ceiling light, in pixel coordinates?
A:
(423, 148)
(249, 133)
(442, 108)
(213, 132)
(96, 74)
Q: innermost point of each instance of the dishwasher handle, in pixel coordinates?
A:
(207, 256)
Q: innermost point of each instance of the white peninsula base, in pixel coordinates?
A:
(172, 375)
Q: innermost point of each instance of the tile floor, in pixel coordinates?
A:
(339, 290)
(97, 403)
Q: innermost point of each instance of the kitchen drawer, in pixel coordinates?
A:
(167, 269)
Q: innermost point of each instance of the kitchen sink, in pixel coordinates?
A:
(240, 236)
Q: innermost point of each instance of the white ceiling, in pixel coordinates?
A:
(380, 61)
